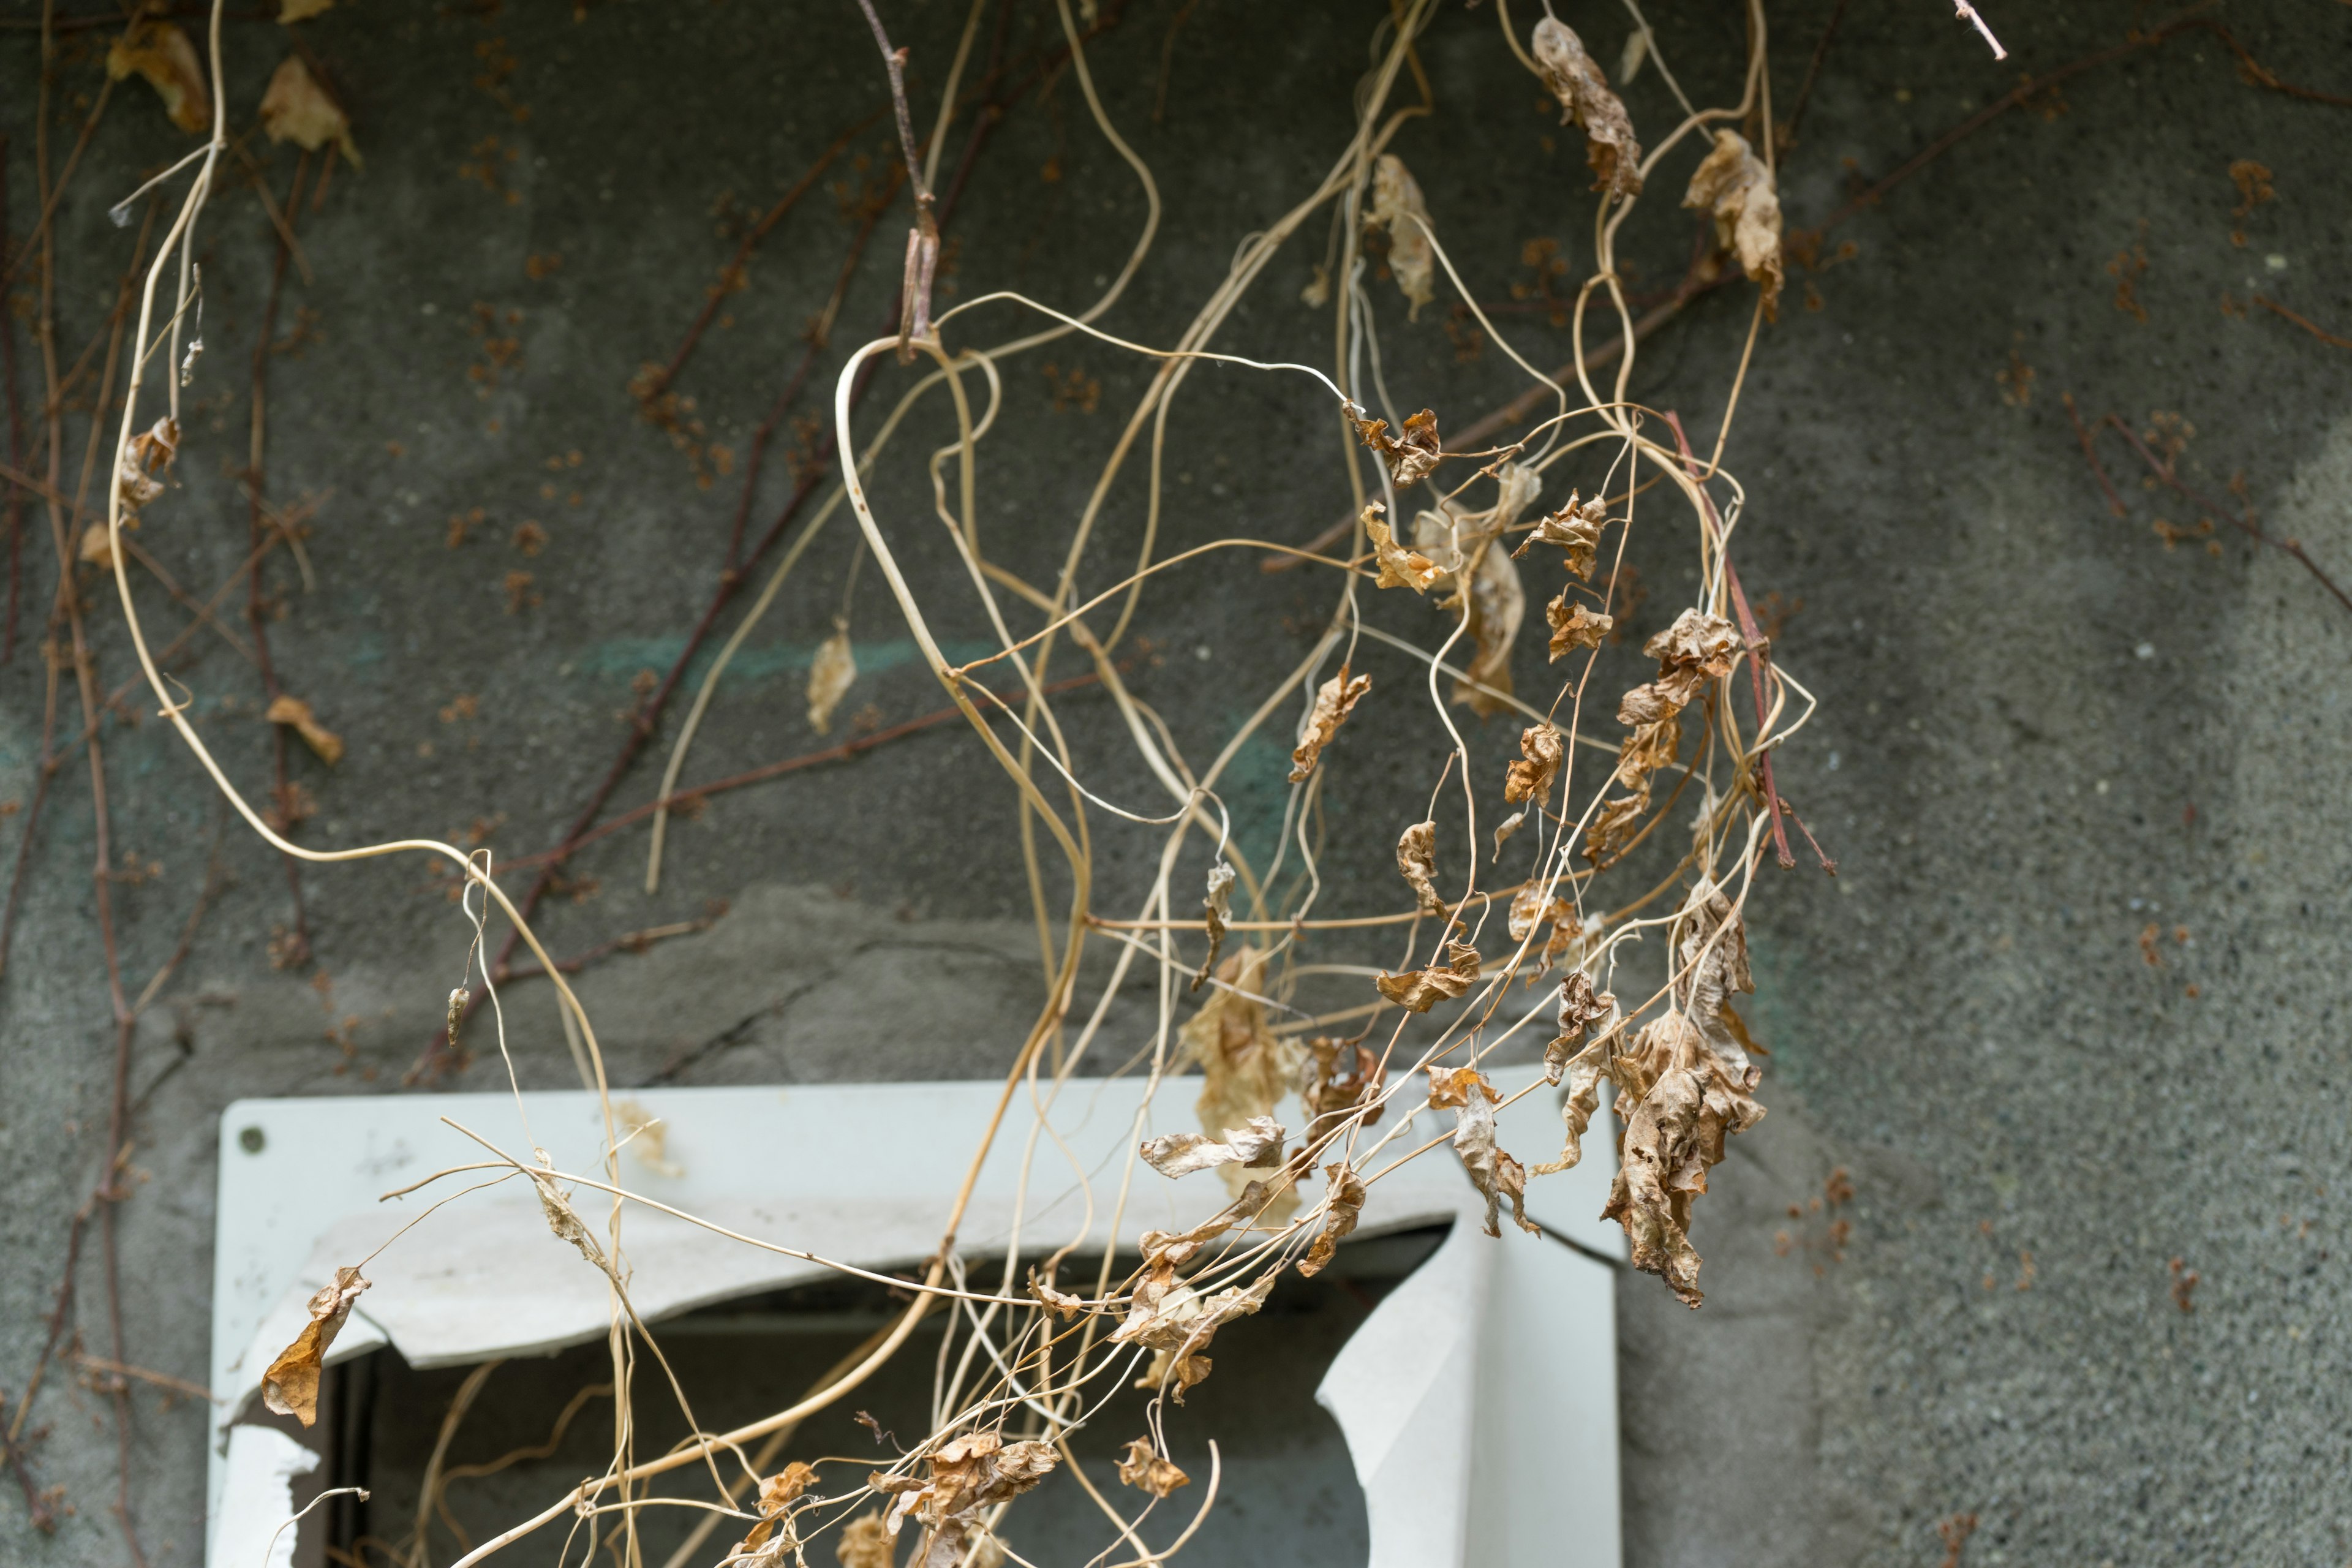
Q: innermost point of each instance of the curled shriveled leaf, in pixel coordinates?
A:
(1334, 700)
(1144, 1470)
(1419, 990)
(1411, 454)
(771, 1542)
(1398, 208)
(1061, 1303)
(1339, 1078)
(1347, 1194)
(1399, 567)
(1171, 1318)
(1574, 626)
(1497, 606)
(1584, 97)
(831, 674)
(1216, 909)
(1733, 185)
(1492, 1169)
(1650, 747)
(1576, 528)
(138, 478)
(1508, 825)
(1581, 1007)
(289, 709)
(555, 1204)
(1696, 649)
(96, 546)
(161, 53)
(1714, 953)
(297, 108)
(1542, 748)
(1416, 858)
(1614, 827)
(1256, 1145)
(290, 1386)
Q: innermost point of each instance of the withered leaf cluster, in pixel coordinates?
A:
(1166, 1316)
(1399, 567)
(1734, 185)
(1576, 528)
(1685, 1084)
(968, 1475)
(1419, 990)
(1336, 1079)
(1396, 207)
(1411, 454)
(1334, 700)
(1416, 858)
(1584, 97)
(290, 1386)
(1697, 650)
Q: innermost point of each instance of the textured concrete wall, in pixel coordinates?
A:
(2043, 732)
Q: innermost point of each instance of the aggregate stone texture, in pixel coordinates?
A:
(2067, 1027)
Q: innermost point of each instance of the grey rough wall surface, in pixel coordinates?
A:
(2041, 730)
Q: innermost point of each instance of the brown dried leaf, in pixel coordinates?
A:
(138, 480)
(1399, 567)
(1733, 184)
(1452, 1087)
(1650, 747)
(1334, 700)
(1332, 1095)
(1584, 97)
(1247, 1068)
(1530, 909)
(161, 53)
(831, 674)
(297, 108)
(777, 1495)
(288, 710)
(1574, 626)
(864, 1543)
(1505, 829)
(1416, 857)
(1688, 1103)
(1714, 953)
(1497, 606)
(969, 1474)
(290, 11)
(1257, 1145)
(1492, 1169)
(97, 545)
(1347, 1194)
(1576, 528)
(1411, 454)
(1179, 1324)
(1697, 648)
(290, 1386)
(1144, 1468)
(1614, 827)
(1540, 749)
(1061, 1303)
(1215, 909)
(1418, 990)
(1396, 199)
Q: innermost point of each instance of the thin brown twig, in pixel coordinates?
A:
(16, 435)
(2308, 325)
(2243, 523)
(923, 239)
(1787, 133)
(2091, 456)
